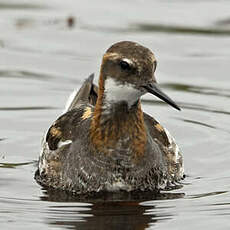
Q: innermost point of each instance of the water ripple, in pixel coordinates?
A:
(160, 28)
(206, 194)
(190, 106)
(148, 27)
(203, 90)
(15, 165)
(38, 76)
(27, 108)
(25, 74)
(198, 123)
(105, 197)
(24, 6)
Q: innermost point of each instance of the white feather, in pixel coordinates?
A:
(118, 185)
(62, 143)
(117, 92)
(173, 145)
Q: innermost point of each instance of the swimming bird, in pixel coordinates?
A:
(104, 141)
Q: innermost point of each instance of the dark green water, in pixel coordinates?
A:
(42, 60)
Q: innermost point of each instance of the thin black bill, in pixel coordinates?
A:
(154, 89)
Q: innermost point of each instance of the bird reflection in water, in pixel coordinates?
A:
(105, 211)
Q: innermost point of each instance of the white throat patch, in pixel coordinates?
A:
(117, 92)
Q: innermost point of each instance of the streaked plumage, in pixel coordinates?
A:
(104, 142)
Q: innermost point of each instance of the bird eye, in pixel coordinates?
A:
(125, 65)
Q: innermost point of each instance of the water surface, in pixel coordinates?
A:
(47, 48)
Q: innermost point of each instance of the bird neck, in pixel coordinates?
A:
(115, 123)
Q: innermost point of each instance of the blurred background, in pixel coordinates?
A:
(48, 48)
